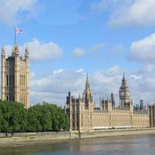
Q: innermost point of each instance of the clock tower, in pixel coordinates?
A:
(124, 94)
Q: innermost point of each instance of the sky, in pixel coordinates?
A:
(68, 39)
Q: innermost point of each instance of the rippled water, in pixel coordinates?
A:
(125, 145)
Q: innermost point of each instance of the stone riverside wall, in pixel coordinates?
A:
(35, 137)
(54, 136)
(117, 132)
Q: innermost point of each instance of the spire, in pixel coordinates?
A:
(87, 94)
(87, 77)
(87, 83)
(26, 51)
(112, 96)
(123, 79)
(124, 84)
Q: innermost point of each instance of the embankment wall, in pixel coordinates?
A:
(54, 136)
(117, 132)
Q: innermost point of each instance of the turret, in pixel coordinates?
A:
(15, 50)
(112, 99)
(3, 52)
(68, 99)
(26, 52)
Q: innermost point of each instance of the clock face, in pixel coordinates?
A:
(122, 93)
(128, 93)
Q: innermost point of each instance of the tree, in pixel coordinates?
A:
(13, 117)
(46, 121)
(47, 117)
(18, 117)
(34, 118)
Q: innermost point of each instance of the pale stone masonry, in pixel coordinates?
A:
(15, 76)
(152, 115)
(85, 116)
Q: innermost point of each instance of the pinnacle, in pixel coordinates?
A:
(123, 76)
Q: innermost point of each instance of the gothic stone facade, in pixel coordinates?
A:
(15, 76)
(85, 116)
(152, 115)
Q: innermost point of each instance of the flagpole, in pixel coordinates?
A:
(15, 36)
(17, 31)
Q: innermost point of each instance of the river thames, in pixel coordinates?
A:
(124, 145)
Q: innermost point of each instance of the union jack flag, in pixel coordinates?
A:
(18, 31)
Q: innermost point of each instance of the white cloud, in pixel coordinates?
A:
(135, 77)
(16, 10)
(139, 12)
(58, 71)
(143, 50)
(79, 52)
(107, 81)
(146, 69)
(39, 51)
(126, 12)
(142, 88)
(44, 51)
(79, 70)
(55, 86)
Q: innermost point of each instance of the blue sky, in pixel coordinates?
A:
(68, 39)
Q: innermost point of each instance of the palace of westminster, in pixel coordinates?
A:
(82, 111)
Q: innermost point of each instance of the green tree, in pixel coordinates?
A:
(47, 117)
(34, 115)
(46, 121)
(5, 127)
(18, 117)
